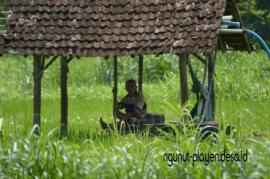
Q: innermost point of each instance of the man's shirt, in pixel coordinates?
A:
(133, 103)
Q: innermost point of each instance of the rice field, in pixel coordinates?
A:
(242, 100)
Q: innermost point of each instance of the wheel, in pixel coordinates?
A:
(208, 129)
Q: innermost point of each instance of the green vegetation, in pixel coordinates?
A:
(243, 93)
(256, 16)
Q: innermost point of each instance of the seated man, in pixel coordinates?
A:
(135, 109)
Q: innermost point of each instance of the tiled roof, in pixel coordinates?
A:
(113, 27)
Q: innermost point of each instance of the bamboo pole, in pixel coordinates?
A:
(115, 86)
(37, 67)
(64, 97)
(140, 77)
(211, 81)
(230, 31)
(183, 78)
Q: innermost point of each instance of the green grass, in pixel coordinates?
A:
(243, 93)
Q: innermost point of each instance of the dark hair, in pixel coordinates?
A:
(131, 81)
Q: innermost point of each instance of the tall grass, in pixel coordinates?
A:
(242, 89)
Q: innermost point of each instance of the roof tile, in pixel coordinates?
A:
(112, 27)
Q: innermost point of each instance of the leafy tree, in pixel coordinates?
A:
(256, 16)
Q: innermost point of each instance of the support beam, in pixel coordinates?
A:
(69, 59)
(201, 59)
(183, 58)
(64, 97)
(140, 77)
(6, 12)
(221, 43)
(211, 81)
(45, 67)
(230, 31)
(37, 67)
(115, 86)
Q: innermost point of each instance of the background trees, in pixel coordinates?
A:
(256, 16)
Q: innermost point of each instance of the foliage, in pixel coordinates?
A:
(243, 93)
(85, 72)
(256, 16)
(128, 157)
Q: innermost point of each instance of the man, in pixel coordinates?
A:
(134, 105)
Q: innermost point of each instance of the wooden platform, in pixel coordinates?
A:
(172, 128)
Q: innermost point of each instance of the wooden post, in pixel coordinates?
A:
(115, 86)
(140, 77)
(37, 67)
(211, 84)
(64, 97)
(183, 77)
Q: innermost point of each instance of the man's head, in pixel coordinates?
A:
(131, 86)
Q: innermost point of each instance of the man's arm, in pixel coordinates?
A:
(136, 112)
(119, 114)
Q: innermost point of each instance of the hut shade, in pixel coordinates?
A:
(113, 27)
